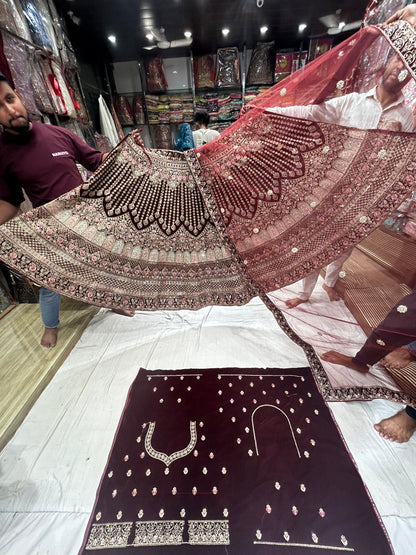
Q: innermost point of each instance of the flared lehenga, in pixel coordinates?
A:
(269, 201)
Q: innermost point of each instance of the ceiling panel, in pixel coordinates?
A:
(128, 21)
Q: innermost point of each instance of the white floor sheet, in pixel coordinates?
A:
(50, 470)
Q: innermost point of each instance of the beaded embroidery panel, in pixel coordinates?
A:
(247, 460)
(138, 234)
(296, 194)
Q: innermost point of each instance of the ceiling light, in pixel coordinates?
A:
(188, 34)
(264, 29)
(341, 24)
(302, 27)
(225, 31)
(74, 18)
(112, 38)
(149, 36)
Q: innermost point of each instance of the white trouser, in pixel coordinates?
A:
(331, 276)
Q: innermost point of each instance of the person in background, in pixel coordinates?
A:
(41, 160)
(203, 135)
(396, 336)
(382, 107)
(185, 139)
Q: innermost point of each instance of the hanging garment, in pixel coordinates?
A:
(4, 65)
(261, 68)
(108, 127)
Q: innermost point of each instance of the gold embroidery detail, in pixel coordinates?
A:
(168, 459)
(154, 532)
(209, 532)
(111, 534)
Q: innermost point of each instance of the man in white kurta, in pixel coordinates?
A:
(382, 107)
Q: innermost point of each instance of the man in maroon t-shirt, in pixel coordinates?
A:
(41, 160)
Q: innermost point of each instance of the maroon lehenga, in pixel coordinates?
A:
(270, 200)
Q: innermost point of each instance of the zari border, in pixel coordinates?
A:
(157, 533)
(109, 535)
(208, 532)
(321, 378)
(402, 37)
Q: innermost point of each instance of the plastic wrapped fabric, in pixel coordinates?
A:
(283, 66)
(138, 110)
(17, 55)
(204, 72)
(11, 19)
(299, 60)
(163, 137)
(123, 110)
(155, 76)
(39, 87)
(108, 127)
(89, 135)
(36, 26)
(103, 143)
(58, 105)
(317, 47)
(261, 68)
(62, 89)
(48, 20)
(75, 92)
(228, 68)
(4, 65)
(58, 89)
(74, 126)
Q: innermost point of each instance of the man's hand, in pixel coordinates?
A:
(7, 211)
(398, 359)
(407, 14)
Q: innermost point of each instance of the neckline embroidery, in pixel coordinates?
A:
(169, 459)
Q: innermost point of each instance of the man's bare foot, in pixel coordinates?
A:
(399, 427)
(343, 360)
(124, 311)
(49, 337)
(332, 294)
(292, 303)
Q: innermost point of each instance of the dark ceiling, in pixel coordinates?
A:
(129, 21)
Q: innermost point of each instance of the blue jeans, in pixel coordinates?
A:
(49, 303)
(411, 412)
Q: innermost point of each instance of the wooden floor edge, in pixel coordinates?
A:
(7, 433)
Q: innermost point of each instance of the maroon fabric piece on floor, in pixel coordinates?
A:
(232, 461)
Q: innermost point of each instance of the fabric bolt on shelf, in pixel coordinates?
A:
(244, 458)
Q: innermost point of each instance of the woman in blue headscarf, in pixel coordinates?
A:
(185, 139)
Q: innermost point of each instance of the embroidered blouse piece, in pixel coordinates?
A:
(248, 461)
